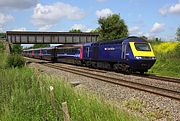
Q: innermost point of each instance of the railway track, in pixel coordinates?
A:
(122, 82)
(161, 78)
(97, 74)
(149, 76)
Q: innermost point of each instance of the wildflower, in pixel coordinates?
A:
(51, 88)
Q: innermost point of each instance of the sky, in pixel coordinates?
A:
(150, 18)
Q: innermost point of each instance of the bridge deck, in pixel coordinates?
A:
(27, 37)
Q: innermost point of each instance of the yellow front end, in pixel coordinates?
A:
(138, 53)
(144, 57)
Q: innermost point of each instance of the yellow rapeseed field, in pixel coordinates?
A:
(165, 47)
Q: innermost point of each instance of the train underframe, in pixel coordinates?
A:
(113, 66)
(122, 67)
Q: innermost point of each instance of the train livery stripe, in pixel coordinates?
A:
(141, 53)
(81, 52)
(40, 52)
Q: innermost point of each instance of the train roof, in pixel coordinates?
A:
(119, 41)
(46, 48)
(69, 46)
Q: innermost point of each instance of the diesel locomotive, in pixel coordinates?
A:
(131, 54)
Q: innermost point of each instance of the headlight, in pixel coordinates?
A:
(153, 58)
(138, 57)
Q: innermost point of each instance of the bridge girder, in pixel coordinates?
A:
(27, 37)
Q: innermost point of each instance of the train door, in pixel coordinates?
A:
(54, 53)
(124, 50)
(87, 52)
(95, 52)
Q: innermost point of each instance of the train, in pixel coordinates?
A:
(130, 54)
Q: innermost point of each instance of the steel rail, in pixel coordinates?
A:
(150, 76)
(138, 86)
(161, 78)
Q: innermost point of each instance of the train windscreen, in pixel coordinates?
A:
(142, 47)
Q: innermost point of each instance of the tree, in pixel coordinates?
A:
(2, 35)
(40, 45)
(112, 27)
(75, 30)
(95, 30)
(17, 48)
(178, 34)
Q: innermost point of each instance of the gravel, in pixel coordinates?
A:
(141, 103)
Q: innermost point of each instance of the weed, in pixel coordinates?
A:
(15, 60)
(28, 95)
(134, 104)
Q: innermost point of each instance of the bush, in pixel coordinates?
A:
(177, 51)
(17, 48)
(2, 48)
(15, 60)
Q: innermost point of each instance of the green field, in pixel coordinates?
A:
(168, 59)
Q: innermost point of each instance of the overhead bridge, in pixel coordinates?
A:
(27, 37)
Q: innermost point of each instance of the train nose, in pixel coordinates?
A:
(143, 64)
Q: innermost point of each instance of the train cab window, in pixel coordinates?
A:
(142, 46)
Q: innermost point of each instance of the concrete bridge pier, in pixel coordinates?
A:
(7, 46)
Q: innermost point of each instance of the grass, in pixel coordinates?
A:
(26, 95)
(169, 67)
(168, 59)
(23, 98)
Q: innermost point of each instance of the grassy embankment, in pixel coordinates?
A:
(25, 95)
(168, 59)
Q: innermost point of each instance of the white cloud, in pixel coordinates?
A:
(4, 19)
(163, 11)
(20, 29)
(174, 9)
(101, 0)
(157, 28)
(89, 30)
(17, 4)
(134, 30)
(104, 12)
(45, 16)
(81, 27)
(146, 35)
(45, 28)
